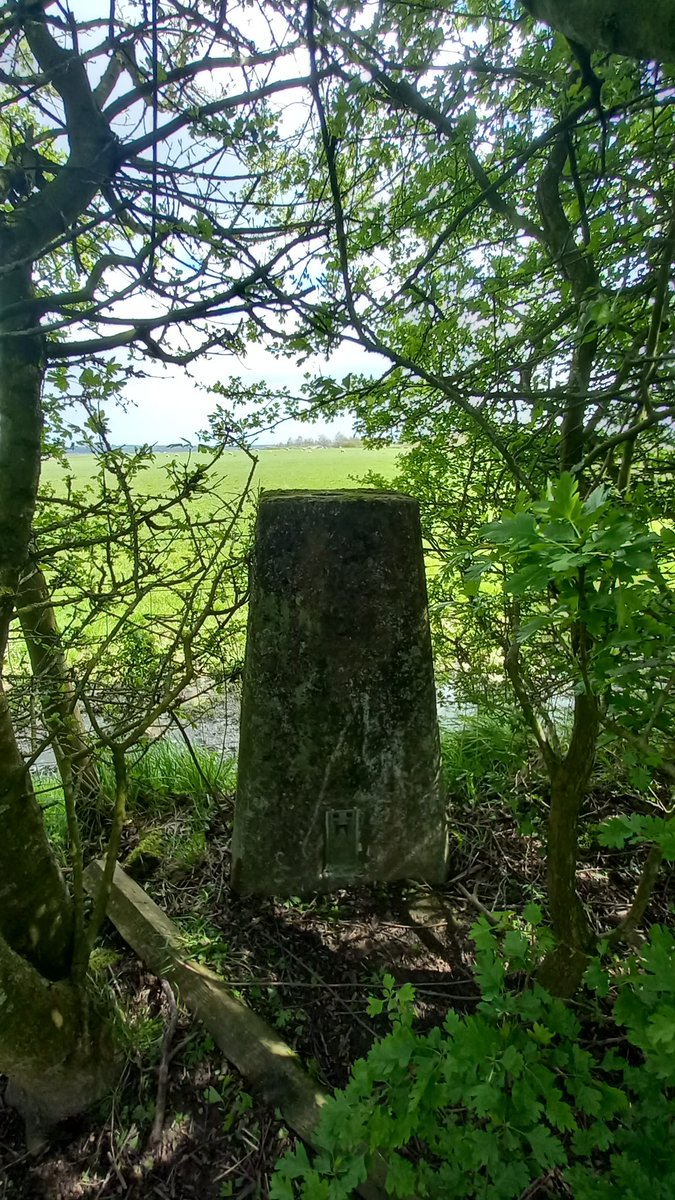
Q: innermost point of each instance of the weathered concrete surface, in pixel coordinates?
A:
(339, 757)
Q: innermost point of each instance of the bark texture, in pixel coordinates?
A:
(562, 971)
(633, 28)
(46, 1042)
(35, 910)
(58, 1056)
(56, 691)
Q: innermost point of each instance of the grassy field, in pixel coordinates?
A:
(170, 545)
(292, 467)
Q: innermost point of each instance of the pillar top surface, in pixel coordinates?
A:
(330, 495)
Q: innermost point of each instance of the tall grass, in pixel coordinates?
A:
(160, 775)
(484, 755)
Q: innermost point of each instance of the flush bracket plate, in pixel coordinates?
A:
(342, 841)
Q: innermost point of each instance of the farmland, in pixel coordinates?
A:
(161, 570)
(283, 467)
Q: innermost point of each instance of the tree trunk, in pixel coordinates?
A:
(47, 1045)
(56, 1052)
(55, 687)
(563, 968)
(632, 27)
(35, 909)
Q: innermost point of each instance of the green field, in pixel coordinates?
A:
(285, 467)
(168, 539)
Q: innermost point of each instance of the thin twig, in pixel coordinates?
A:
(473, 899)
(163, 1070)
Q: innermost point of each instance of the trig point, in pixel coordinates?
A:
(339, 756)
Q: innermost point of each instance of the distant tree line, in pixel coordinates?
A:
(339, 441)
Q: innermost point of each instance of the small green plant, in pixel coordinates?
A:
(488, 1103)
(204, 942)
(199, 1047)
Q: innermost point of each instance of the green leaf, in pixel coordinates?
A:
(588, 1099)
(541, 1034)
(401, 1177)
(546, 1148)
(533, 913)
(512, 1061)
(533, 578)
(566, 501)
(661, 1027)
(615, 832)
(516, 946)
(560, 1114)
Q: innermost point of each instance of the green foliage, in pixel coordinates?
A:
(598, 563)
(587, 584)
(490, 1102)
(137, 659)
(638, 828)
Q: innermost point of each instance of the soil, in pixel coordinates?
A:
(308, 967)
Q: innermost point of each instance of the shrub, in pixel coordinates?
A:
(490, 1102)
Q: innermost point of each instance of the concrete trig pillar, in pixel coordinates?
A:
(339, 758)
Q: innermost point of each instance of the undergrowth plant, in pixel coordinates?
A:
(522, 1090)
(159, 775)
(484, 754)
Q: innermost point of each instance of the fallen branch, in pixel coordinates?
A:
(473, 899)
(268, 1064)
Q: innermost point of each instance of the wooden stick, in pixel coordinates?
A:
(268, 1064)
(163, 1072)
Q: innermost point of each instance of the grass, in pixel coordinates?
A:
(484, 755)
(284, 468)
(160, 776)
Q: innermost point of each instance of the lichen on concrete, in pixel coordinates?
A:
(339, 734)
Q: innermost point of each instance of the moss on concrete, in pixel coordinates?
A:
(339, 709)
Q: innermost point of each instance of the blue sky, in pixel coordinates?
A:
(172, 404)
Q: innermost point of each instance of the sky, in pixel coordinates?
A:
(172, 404)
(169, 406)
